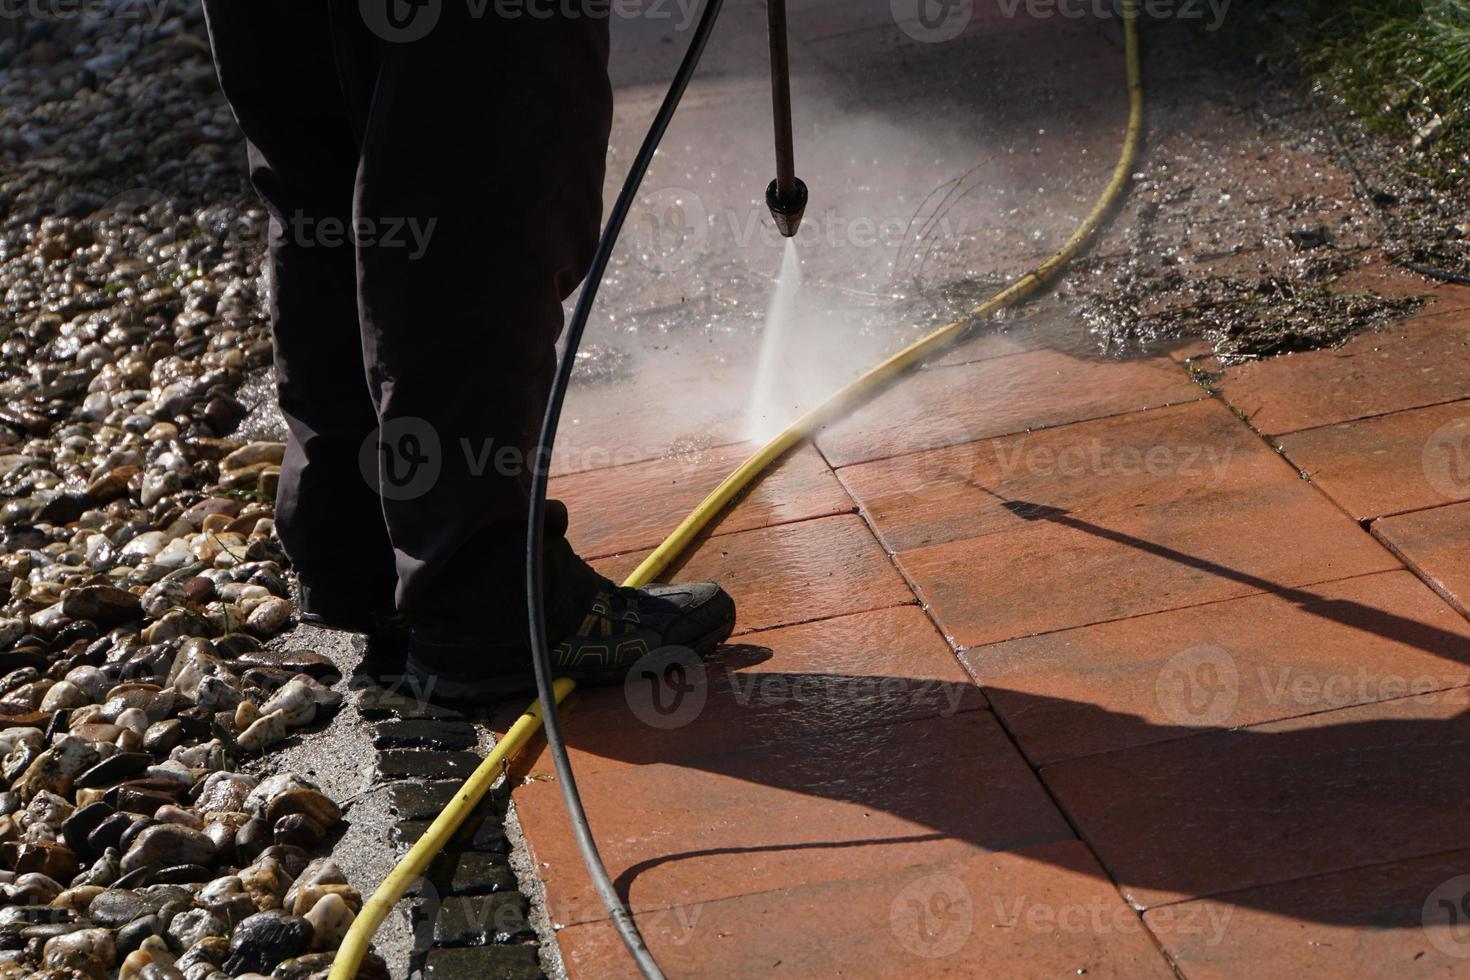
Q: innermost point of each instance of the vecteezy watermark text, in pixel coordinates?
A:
(1105, 9)
(149, 13)
(307, 231)
(406, 21)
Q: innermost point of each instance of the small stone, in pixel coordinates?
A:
(313, 803)
(112, 484)
(253, 453)
(117, 907)
(247, 712)
(62, 696)
(51, 860)
(263, 733)
(266, 882)
(163, 736)
(298, 830)
(76, 949)
(306, 662)
(269, 618)
(265, 939)
(165, 845)
(330, 919)
(105, 605)
(212, 952)
(144, 931)
(224, 792)
(82, 822)
(114, 769)
(145, 796)
(296, 701)
(189, 928)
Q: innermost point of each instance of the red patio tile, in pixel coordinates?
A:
(1047, 911)
(1423, 361)
(1436, 544)
(1060, 571)
(693, 406)
(834, 675)
(1092, 468)
(1231, 810)
(1384, 921)
(945, 406)
(800, 812)
(790, 573)
(1391, 463)
(636, 506)
(1222, 665)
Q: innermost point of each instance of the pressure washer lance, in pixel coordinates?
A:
(786, 196)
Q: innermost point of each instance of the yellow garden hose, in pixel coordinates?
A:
(412, 866)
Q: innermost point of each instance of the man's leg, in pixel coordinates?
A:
(278, 71)
(478, 207)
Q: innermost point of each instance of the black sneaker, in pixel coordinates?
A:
(386, 632)
(621, 627)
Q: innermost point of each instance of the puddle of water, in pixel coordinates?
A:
(770, 402)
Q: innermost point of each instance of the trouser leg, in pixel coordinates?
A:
(479, 200)
(277, 68)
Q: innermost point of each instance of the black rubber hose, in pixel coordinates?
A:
(536, 600)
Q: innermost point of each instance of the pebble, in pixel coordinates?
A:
(265, 939)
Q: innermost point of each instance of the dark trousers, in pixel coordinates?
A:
(433, 171)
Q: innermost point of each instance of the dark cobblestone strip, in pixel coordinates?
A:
(469, 919)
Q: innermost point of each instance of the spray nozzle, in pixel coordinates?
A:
(787, 208)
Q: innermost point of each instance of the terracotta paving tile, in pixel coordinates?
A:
(1385, 921)
(1231, 810)
(1059, 571)
(1436, 543)
(1423, 361)
(945, 406)
(1389, 464)
(693, 404)
(635, 506)
(1223, 665)
(792, 572)
(1048, 911)
(834, 675)
(1092, 468)
(799, 812)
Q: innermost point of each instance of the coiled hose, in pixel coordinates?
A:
(553, 691)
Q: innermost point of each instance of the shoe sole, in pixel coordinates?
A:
(438, 688)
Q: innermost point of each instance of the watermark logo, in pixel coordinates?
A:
(1215, 10)
(951, 458)
(1196, 463)
(932, 21)
(1446, 917)
(402, 459)
(1446, 459)
(933, 916)
(148, 13)
(1198, 686)
(671, 228)
(667, 688)
(401, 21)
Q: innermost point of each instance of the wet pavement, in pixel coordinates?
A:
(1046, 662)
